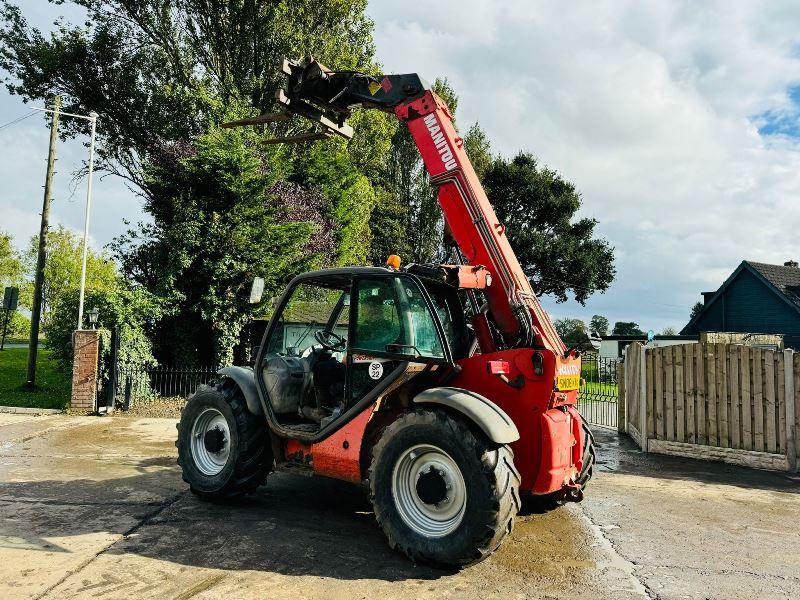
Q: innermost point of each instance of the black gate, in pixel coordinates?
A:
(138, 385)
(597, 397)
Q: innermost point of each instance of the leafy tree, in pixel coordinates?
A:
(328, 168)
(626, 328)
(696, 310)
(572, 331)
(557, 251)
(669, 331)
(219, 219)
(415, 210)
(62, 270)
(599, 325)
(479, 149)
(168, 69)
(19, 326)
(387, 227)
(11, 267)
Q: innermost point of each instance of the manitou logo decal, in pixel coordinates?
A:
(569, 370)
(441, 143)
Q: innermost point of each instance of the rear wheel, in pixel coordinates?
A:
(223, 449)
(443, 494)
(589, 455)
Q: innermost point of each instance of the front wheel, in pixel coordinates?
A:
(443, 493)
(223, 450)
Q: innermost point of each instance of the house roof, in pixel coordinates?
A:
(786, 279)
(783, 280)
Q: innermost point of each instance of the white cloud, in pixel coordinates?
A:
(652, 109)
(649, 108)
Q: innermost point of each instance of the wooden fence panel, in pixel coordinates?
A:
(700, 382)
(734, 403)
(722, 394)
(680, 395)
(734, 385)
(669, 393)
(797, 406)
(711, 388)
(747, 418)
(691, 392)
(769, 401)
(758, 400)
(658, 376)
(780, 402)
(633, 389)
(651, 413)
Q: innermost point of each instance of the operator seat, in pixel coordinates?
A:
(328, 376)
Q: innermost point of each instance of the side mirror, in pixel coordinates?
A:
(256, 290)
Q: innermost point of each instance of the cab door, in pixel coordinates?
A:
(392, 322)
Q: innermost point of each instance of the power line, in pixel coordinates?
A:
(17, 120)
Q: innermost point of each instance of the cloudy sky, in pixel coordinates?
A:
(679, 122)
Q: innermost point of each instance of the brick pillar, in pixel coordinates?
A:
(84, 369)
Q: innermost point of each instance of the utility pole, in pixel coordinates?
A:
(36, 309)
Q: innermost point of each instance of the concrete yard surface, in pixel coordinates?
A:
(96, 508)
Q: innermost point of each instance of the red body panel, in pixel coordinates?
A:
(336, 456)
(546, 453)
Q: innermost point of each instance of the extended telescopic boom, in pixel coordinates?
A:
(329, 97)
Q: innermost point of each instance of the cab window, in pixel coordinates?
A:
(393, 317)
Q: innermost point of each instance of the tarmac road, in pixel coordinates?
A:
(95, 508)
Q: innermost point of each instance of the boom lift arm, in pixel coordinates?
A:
(329, 97)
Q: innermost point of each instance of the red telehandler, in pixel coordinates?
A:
(444, 389)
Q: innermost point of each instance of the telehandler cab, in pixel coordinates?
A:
(443, 388)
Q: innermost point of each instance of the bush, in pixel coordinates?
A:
(19, 326)
(130, 310)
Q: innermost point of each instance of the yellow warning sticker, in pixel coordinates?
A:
(568, 382)
(374, 86)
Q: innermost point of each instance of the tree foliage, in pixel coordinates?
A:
(478, 149)
(328, 167)
(626, 328)
(161, 73)
(11, 267)
(572, 332)
(696, 310)
(556, 249)
(168, 69)
(219, 220)
(132, 310)
(599, 325)
(62, 270)
(415, 208)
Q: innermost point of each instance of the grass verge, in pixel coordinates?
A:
(52, 386)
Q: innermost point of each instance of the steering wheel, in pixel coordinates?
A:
(330, 340)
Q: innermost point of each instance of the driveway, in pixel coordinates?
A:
(95, 508)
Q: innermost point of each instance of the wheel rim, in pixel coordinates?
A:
(429, 491)
(211, 441)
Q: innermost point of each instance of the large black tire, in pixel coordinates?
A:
(589, 455)
(490, 482)
(248, 455)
